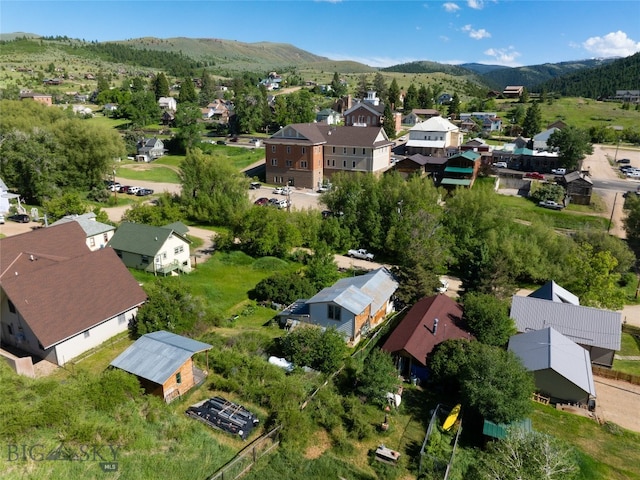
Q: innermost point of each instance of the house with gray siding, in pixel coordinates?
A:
(352, 305)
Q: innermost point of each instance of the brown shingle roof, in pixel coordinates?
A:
(59, 296)
(414, 334)
(316, 134)
(51, 244)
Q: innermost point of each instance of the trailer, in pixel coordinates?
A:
(224, 415)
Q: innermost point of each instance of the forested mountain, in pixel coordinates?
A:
(533, 75)
(424, 66)
(481, 68)
(496, 76)
(621, 74)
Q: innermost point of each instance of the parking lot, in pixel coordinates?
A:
(301, 198)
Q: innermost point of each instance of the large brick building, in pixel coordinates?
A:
(305, 154)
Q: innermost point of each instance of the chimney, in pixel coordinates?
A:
(435, 325)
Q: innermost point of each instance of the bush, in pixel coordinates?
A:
(283, 288)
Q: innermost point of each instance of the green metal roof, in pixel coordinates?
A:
(468, 155)
(456, 181)
(458, 170)
(141, 239)
(500, 430)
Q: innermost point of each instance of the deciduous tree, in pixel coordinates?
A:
(488, 318)
(573, 144)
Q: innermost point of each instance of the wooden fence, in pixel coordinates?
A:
(607, 373)
(246, 459)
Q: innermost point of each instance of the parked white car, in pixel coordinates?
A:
(559, 171)
(444, 286)
(360, 253)
(500, 164)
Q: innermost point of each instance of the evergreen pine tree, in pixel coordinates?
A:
(188, 91)
(532, 120)
(393, 95)
(161, 86)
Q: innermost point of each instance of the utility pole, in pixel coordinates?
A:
(612, 210)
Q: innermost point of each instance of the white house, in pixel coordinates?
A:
(158, 250)
(168, 103)
(436, 136)
(57, 298)
(98, 234)
(5, 197)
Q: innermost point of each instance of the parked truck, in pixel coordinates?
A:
(360, 253)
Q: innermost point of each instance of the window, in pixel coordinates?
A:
(333, 149)
(178, 250)
(10, 328)
(288, 149)
(344, 150)
(303, 164)
(92, 242)
(363, 151)
(274, 162)
(12, 307)
(121, 319)
(164, 255)
(304, 150)
(333, 312)
(178, 377)
(328, 162)
(87, 334)
(105, 237)
(353, 164)
(288, 163)
(273, 149)
(344, 164)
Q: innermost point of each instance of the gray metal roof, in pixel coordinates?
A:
(355, 293)
(549, 349)
(554, 292)
(88, 223)
(157, 356)
(583, 325)
(348, 297)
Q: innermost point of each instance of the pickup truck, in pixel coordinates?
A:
(360, 253)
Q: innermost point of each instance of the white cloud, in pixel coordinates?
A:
(475, 4)
(476, 34)
(614, 44)
(503, 56)
(450, 7)
(443, 38)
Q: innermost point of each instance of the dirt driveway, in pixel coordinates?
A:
(618, 402)
(598, 163)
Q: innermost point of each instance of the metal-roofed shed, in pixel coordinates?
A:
(598, 331)
(561, 368)
(163, 363)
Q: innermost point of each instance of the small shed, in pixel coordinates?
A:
(579, 187)
(163, 363)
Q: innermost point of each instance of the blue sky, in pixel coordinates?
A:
(375, 32)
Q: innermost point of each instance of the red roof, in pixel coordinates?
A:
(414, 334)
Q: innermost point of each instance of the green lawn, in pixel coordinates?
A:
(149, 172)
(606, 452)
(527, 211)
(630, 347)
